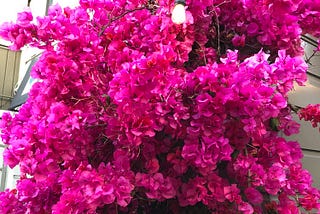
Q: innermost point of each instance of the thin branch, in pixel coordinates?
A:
(218, 33)
(309, 58)
(294, 108)
(218, 25)
(33, 57)
(222, 3)
(97, 125)
(119, 17)
(249, 172)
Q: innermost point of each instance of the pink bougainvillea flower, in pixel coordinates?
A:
(134, 113)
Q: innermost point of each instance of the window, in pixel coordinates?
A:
(2, 169)
(301, 96)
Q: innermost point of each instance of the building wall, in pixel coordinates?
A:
(309, 137)
(9, 73)
(13, 66)
(8, 13)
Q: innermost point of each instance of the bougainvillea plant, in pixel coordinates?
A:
(136, 114)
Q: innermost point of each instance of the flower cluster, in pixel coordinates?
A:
(311, 113)
(135, 113)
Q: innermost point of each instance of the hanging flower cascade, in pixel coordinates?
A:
(137, 114)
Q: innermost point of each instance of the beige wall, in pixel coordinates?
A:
(8, 12)
(309, 137)
(9, 72)
(13, 66)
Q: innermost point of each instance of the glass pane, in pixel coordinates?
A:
(0, 178)
(1, 157)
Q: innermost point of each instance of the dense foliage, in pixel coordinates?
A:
(135, 114)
